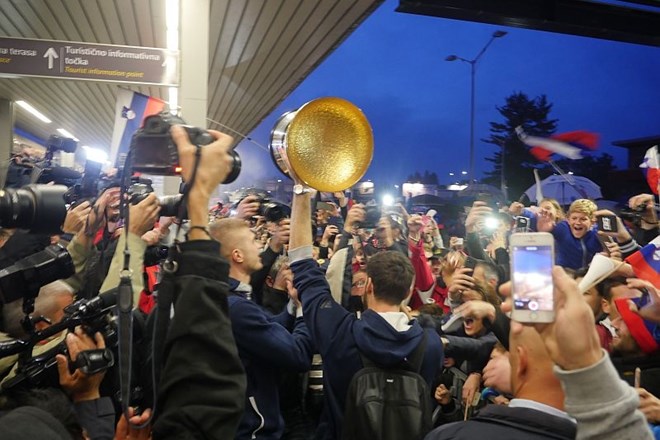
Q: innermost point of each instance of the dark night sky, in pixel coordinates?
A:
(393, 68)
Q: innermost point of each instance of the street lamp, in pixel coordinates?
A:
(473, 65)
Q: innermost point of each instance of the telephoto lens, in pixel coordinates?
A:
(38, 208)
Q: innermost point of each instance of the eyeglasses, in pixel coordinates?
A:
(359, 283)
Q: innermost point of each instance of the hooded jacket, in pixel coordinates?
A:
(265, 345)
(340, 338)
(572, 252)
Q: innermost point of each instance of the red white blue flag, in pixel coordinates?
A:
(130, 111)
(651, 168)
(646, 262)
(570, 144)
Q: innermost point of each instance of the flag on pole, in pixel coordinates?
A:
(539, 189)
(569, 144)
(646, 262)
(130, 111)
(651, 168)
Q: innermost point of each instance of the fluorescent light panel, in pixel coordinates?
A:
(36, 113)
(95, 154)
(172, 20)
(65, 133)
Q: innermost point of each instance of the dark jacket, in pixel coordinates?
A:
(572, 252)
(266, 346)
(337, 334)
(474, 350)
(202, 384)
(495, 422)
(97, 417)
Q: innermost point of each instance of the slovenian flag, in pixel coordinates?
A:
(646, 262)
(570, 144)
(651, 168)
(130, 111)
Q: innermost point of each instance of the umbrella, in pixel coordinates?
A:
(559, 188)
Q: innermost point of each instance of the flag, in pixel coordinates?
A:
(651, 168)
(130, 111)
(646, 262)
(569, 144)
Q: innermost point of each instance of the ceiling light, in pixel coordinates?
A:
(95, 154)
(34, 111)
(65, 133)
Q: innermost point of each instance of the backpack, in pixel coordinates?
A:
(388, 403)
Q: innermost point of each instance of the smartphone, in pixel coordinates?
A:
(532, 258)
(603, 239)
(470, 263)
(607, 223)
(522, 224)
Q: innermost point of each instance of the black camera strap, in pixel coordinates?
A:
(125, 306)
(163, 305)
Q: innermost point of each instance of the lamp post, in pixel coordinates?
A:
(473, 65)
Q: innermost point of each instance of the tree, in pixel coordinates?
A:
(429, 178)
(533, 116)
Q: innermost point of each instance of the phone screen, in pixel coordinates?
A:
(531, 275)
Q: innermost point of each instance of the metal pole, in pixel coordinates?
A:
(472, 110)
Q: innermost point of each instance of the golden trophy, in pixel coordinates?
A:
(327, 144)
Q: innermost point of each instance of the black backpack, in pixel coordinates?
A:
(388, 403)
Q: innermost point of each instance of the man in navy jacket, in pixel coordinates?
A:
(265, 343)
(384, 334)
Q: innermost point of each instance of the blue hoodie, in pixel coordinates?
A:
(337, 334)
(265, 346)
(572, 252)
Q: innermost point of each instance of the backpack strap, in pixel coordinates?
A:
(411, 363)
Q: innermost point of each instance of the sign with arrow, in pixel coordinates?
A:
(50, 54)
(86, 61)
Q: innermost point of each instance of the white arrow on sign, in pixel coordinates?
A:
(51, 54)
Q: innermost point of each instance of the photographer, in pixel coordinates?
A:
(247, 210)
(95, 414)
(644, 206)
(202, 383)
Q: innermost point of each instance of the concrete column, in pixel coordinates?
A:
(193, 89)
(6, 137)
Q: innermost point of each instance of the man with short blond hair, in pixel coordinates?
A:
(266, 344)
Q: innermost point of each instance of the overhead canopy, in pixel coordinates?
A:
(259, 51)
(632, 21)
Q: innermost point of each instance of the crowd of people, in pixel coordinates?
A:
(327, 323)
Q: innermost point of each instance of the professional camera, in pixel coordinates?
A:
(373, 213)
(154, 152)
(39, 208)
(41, 370)
(271, 210)
(633, 215)
(24, 278)
(88, 188)
(169, 205)
(274, 211)
(45, 172)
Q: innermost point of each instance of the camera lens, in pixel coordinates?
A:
(169, 206)
(39, 208)
(235, 168)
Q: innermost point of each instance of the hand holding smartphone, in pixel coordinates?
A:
(608, 224)
(532, 290)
